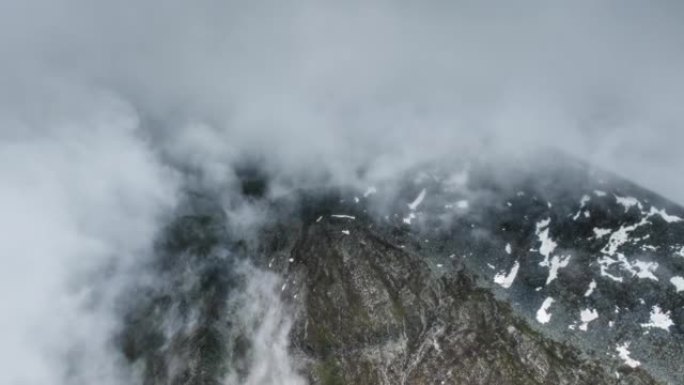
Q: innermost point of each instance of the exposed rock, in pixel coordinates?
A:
(375, 314)
(399, 286)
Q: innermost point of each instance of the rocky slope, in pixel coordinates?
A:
(376, 314)
(478, 273)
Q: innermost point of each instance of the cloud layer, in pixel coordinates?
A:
(339, 85)
(107, 108)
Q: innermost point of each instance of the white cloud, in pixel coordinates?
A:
(76, 195)
(99, 98)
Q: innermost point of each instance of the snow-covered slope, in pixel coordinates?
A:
(586, 257)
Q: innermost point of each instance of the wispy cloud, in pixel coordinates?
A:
(106, 108)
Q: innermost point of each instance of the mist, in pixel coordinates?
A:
(109, 110)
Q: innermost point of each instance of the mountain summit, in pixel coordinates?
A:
(523, 272)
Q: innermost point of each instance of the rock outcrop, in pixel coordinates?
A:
(477, 275)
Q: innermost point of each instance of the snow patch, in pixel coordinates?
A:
(623, 353)
(586, 316)
(599, 193)
(628, 202)
(605, 263)
(345, 232)
(583, 202)
(645, 269)
(543, 316)
(600, 233)
(463, 204)
(555, 264)
(548, 245)
(639, 269)
(659, 319)
(678, 282)
(680, 252)
(506, 280)
(508, 248)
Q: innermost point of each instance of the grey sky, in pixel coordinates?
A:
(341, 83)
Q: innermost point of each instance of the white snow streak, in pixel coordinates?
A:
(590, 290)
(416, 202)
(343, 216)
(663, 214)
(547, 244)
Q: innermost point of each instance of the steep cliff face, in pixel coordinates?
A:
(463, 275)
(375, 314)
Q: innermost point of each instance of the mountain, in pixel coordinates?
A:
(530, 270)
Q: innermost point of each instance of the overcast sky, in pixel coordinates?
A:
(340, 83)
(102, 102)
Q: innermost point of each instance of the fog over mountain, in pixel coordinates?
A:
(114, 114)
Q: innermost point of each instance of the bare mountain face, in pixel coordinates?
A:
(471, 273)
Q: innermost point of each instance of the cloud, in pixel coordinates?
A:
(339, 85)
(107, 108)
(259, 313)
(79, 191)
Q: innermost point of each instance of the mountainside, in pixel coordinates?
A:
(475, 273)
